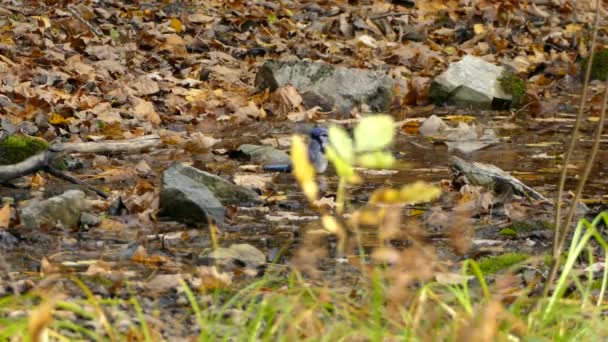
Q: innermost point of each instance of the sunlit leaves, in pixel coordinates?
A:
(418, 192)
(344, 169)
(376, 160)
(341, 143)
(374, 133)
(303, 169)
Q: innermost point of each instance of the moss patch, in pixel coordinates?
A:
(508, 232)
(16, 148)
(491, 265)
(599, 68)
(514, 86)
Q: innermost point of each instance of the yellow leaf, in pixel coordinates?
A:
(331, 224)
(411, 127)
(176, 24)
(368, 217)
(573, 28)
(385, 195)
(479, 28)
(57, 119)
(303, 169)
(194, 95)
(419, 192)
(460, 118)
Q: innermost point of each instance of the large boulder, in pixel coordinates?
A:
(328, 86)
(61, 211)
(190, 195)
(474, 83)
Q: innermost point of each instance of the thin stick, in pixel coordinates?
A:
(558, 239)
(65, 176)
(579, 117)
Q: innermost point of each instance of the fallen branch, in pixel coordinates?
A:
(41, 161)
(109, 146)
(30, 165)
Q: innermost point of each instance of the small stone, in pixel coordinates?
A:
(245, 254)
(62, 211)
(89, 220)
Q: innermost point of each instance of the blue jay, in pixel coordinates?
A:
(316, 152)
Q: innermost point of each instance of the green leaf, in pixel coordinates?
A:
(271, 18)
(376, 160)
(343, 168)
(342, 143)
(374, 133)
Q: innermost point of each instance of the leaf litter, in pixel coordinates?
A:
(93, 72)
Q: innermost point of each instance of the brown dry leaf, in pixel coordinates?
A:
(38, 181)
(47, 268)
(105, 112)
(212, 279)
(142, 256)
(112, 225)
(144, 86)
(5, 216)
(287, 99)
(176, 45)
(145, 111)
(116, 175)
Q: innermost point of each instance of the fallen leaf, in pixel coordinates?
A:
(5, 216)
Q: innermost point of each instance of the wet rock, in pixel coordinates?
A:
(185, 198)
(89, 220)
(470, 83)
(189, 194)
(238, 254)
(327, 85)
(61, 211)
(7, 240)
(264, 154)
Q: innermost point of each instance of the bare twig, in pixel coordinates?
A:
(65, 176)
(560, 236)
(95, 30)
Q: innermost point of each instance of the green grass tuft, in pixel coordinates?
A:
(491, 265)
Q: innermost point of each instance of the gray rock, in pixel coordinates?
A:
(7, 240)
(62, 211)
(244, 253)
(264, 154)
(89, 220)
(327, 85)
(189, 195)
(470, 83)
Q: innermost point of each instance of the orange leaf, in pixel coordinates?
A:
(5, 216)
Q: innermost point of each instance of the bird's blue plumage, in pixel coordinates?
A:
(316, 152)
